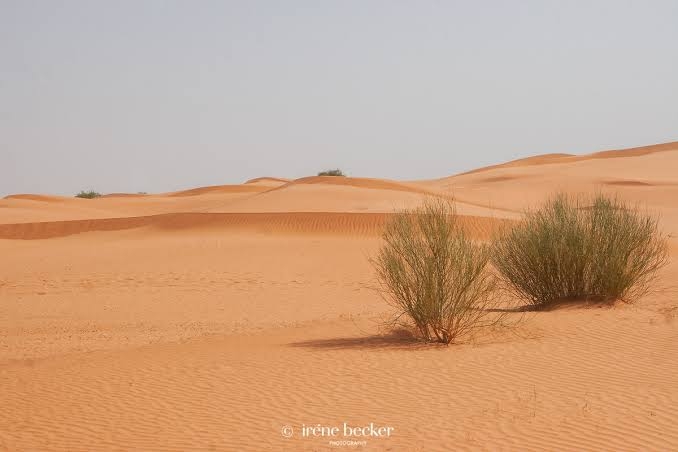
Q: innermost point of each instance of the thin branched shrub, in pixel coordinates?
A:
(581, 248)
(434, 275)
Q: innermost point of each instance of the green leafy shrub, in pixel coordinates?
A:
(597, 249)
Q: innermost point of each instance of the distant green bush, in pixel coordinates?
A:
(88, 194)
(597, 249)
(333, 172)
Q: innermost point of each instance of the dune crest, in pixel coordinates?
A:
(38, 198)
(216, 189)
(268, 181)
(547, 159)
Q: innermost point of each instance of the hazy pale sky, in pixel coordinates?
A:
(127, 96)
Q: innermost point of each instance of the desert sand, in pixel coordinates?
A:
(231, 317)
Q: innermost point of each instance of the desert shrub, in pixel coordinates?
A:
(581, 248)
(332, 172)
(88, 194)
(434, 275)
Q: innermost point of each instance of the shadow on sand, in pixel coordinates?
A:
(397, 340)
(558, 305)
(403, 339)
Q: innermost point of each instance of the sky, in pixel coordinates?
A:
(154, 96)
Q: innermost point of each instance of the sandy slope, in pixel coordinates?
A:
(210, 318)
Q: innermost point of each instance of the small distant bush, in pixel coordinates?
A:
(88, 194)
(434, 275)
(597, 249)
(333, 172)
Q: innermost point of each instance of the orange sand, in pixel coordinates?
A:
(211, 318)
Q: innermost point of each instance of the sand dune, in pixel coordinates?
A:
(362, 182)
(275, 222)
(218, 189)
(268, 181)
(125, 195)
(644, 176)
(24, 210)
(543, 159)
(210, 318)
(546, 159)
(39, 198)
(635, 152)
(332, 194)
